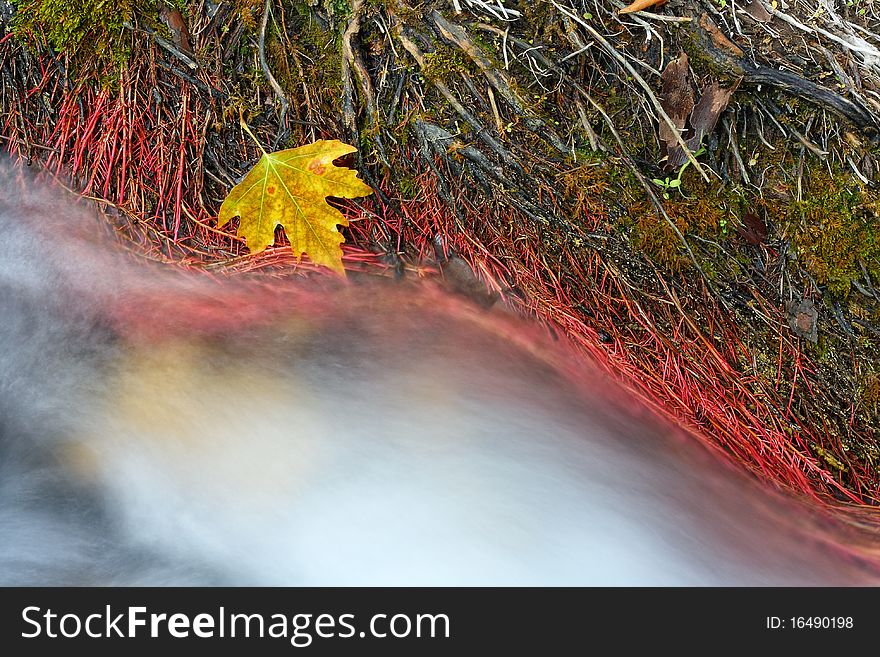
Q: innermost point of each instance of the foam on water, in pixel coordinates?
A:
(161, 427)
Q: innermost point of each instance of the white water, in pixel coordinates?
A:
(369, 433)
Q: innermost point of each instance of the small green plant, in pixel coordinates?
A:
(669, 183)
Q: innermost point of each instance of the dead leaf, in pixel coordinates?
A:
(703, 119)
(803, 319)
(757, 11)
(677, 99)
(641, 5)
(710, 106)
(289, 188)
(753, 230)
(177, 26)
(718, 37)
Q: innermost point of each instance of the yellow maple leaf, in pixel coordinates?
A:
(290, 188)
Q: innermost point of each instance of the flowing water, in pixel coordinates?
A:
(160, 426)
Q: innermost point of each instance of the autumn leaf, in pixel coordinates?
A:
(289, 188)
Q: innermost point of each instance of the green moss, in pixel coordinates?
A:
(249, 13)
(834, 229)
(408, 187)
(704, 211)
(656, 239)
(828, 457)
(585, 189)
(308, 60)
(317, 45)
(706, 59)
(539, 16)
(871, 392)
(337, 9)
(444, 60)
(91, 32)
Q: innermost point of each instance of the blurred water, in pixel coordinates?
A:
(161, 427)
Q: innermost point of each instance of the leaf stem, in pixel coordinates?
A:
(248, 130)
